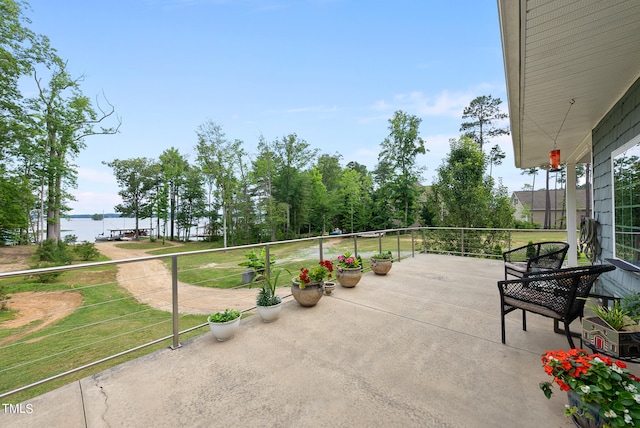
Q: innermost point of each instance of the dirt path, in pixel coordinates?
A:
(45, 307)
(150, 283)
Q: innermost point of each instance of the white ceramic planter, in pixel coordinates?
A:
(269, 313)
(224, 330)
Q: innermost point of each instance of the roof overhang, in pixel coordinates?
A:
(556, 51)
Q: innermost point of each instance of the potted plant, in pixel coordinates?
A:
(224, 324)
(267, 303)
(381, 263)
(614, 331)
(308, 287)
(256, 264)
(601, 392)
(349, 270)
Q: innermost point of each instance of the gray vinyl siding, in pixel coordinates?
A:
(619, 126)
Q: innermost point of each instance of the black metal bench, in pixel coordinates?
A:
(534, 257)
(559, 294)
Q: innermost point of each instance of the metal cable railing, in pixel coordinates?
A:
(115, 323)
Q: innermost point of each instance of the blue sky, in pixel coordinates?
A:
(332, 71)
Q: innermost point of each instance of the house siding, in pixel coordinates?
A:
(619, 126)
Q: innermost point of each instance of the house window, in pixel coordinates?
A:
(626, 199)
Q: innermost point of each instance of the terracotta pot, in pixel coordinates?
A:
(329, 287)
(348, 277)
(381, 266)
(309, 295)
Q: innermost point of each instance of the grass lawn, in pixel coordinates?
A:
(109, 320)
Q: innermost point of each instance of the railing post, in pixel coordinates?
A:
(321, 255)
(509, 240)
(267, 262)
(379, 242)
(413, 245)
(355, 246)
(462, 242)
(398, 235)
(174, 298)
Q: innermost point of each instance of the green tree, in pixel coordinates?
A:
(192, 201)
(173, 166)
(484, 112)
(20, 51)
(496, 155)
(64, 118)
(466, 197)
(217, 157)
(245, 212)
(293, 156)
(135, 179)
(331, 172)
(320, 202)
(271, 214)
(399, 152)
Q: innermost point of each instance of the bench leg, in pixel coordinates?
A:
(524, 320)
(558, 330)
(569, 335)
(502, 320)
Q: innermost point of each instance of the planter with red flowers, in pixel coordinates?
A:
(601, 391)
(308, 287)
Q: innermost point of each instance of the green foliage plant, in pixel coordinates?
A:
(224, 316)
(383, 255)
(46, 277)
(531, 250)
(631, 304)
(4, 298)
(617, 317)
(54, 252)
(257, 261)
(86, 251)
(267, 294)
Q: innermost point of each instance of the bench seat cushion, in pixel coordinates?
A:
(538, 301)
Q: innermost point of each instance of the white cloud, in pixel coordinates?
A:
(443, 104)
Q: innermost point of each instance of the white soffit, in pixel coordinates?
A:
(556, 51)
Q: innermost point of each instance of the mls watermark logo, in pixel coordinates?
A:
(24, 409)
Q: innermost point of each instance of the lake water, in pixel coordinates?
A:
(87, 229)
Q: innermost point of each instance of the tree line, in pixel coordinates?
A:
(288, 189)
(285, 190)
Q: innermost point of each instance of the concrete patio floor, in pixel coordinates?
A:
(419, 347)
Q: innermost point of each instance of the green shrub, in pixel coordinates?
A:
(54, 252)
(631, 304)
(531, 250)
(86, 251)
(4, 297)
(47, 277)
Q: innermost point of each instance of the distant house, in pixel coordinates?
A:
(530, 206)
